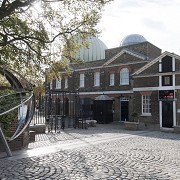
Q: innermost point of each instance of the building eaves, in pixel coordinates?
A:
(130, 52)
(156, 60)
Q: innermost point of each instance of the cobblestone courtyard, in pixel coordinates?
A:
(104, 152)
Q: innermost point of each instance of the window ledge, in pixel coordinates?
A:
(147, 114)
(124, 84)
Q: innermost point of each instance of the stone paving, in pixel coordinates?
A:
(99, 153)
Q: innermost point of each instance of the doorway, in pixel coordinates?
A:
(124, 110)
(167, 114)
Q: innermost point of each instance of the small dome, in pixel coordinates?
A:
(94, 51)
(132, 39)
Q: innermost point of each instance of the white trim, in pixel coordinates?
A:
(156, 88)
(106, 92)
(160, 65)
(65, 82)
(81, 80)
(174, 113)
(124, 76)
(122, 52)
(51, 85)
(173, 64)
(114, 65)
(156, 60)
(155, 75)
(146, 114)
(160, 114)
(96, 79)
(58, 83)
(129, 63)
(111, 79)
(160, 81)
(174, 80)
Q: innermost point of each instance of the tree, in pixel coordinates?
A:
(33, 33)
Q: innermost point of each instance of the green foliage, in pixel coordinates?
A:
(134, 115)
(33, 33)
(6, 120)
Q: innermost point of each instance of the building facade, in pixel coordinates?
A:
(136, 76)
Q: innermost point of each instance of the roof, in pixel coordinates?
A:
(103, 98)
(156, 60)
(133, 53)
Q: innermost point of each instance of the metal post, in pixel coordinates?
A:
(2, 137)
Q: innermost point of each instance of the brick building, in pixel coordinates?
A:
(135, 77)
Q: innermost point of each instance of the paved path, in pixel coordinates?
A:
(104, 152)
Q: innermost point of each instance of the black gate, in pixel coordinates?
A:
(102, 109)
(57, 109)
(61, 109)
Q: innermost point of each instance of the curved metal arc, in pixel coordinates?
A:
(29, 118)
(11, 71)
(17, 105)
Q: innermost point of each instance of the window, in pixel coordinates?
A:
(50, 85)
(58, 83)
(146, 105)
(96, 79)
(66, 82)
(167, 80)
(81, 81)
(112, 79)
(124, 76)
(167, 64)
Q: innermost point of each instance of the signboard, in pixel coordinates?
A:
(166, 95)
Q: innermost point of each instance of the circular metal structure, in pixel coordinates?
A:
(22, 100)
(94, 51)
(132, 39)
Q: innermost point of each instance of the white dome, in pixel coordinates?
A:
(94, 51)
(132, 39)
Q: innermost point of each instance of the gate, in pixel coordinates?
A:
(57, 109)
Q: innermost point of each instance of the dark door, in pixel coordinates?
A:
(124, 110)
(102, 111)
(167, 114)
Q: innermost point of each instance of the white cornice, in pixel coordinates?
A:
(106, 92)
(155, 75)
(99, 67)
(120, 53)
(156, 88)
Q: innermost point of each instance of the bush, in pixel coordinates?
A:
(7, 103)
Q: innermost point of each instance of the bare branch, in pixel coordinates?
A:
(10, 8)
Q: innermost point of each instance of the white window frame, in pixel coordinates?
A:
(97, 79)
(66, 82)
(58, 83)
(111, 83)
(50, 85)
(124, 76)
(81, 80)
(146, 105)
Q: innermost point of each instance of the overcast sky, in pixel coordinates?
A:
(157, 20)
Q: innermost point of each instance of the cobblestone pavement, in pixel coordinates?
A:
(98, 153)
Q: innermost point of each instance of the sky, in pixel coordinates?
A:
(156, 20)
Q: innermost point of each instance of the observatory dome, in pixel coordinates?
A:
(95, 50)
(132, 39)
